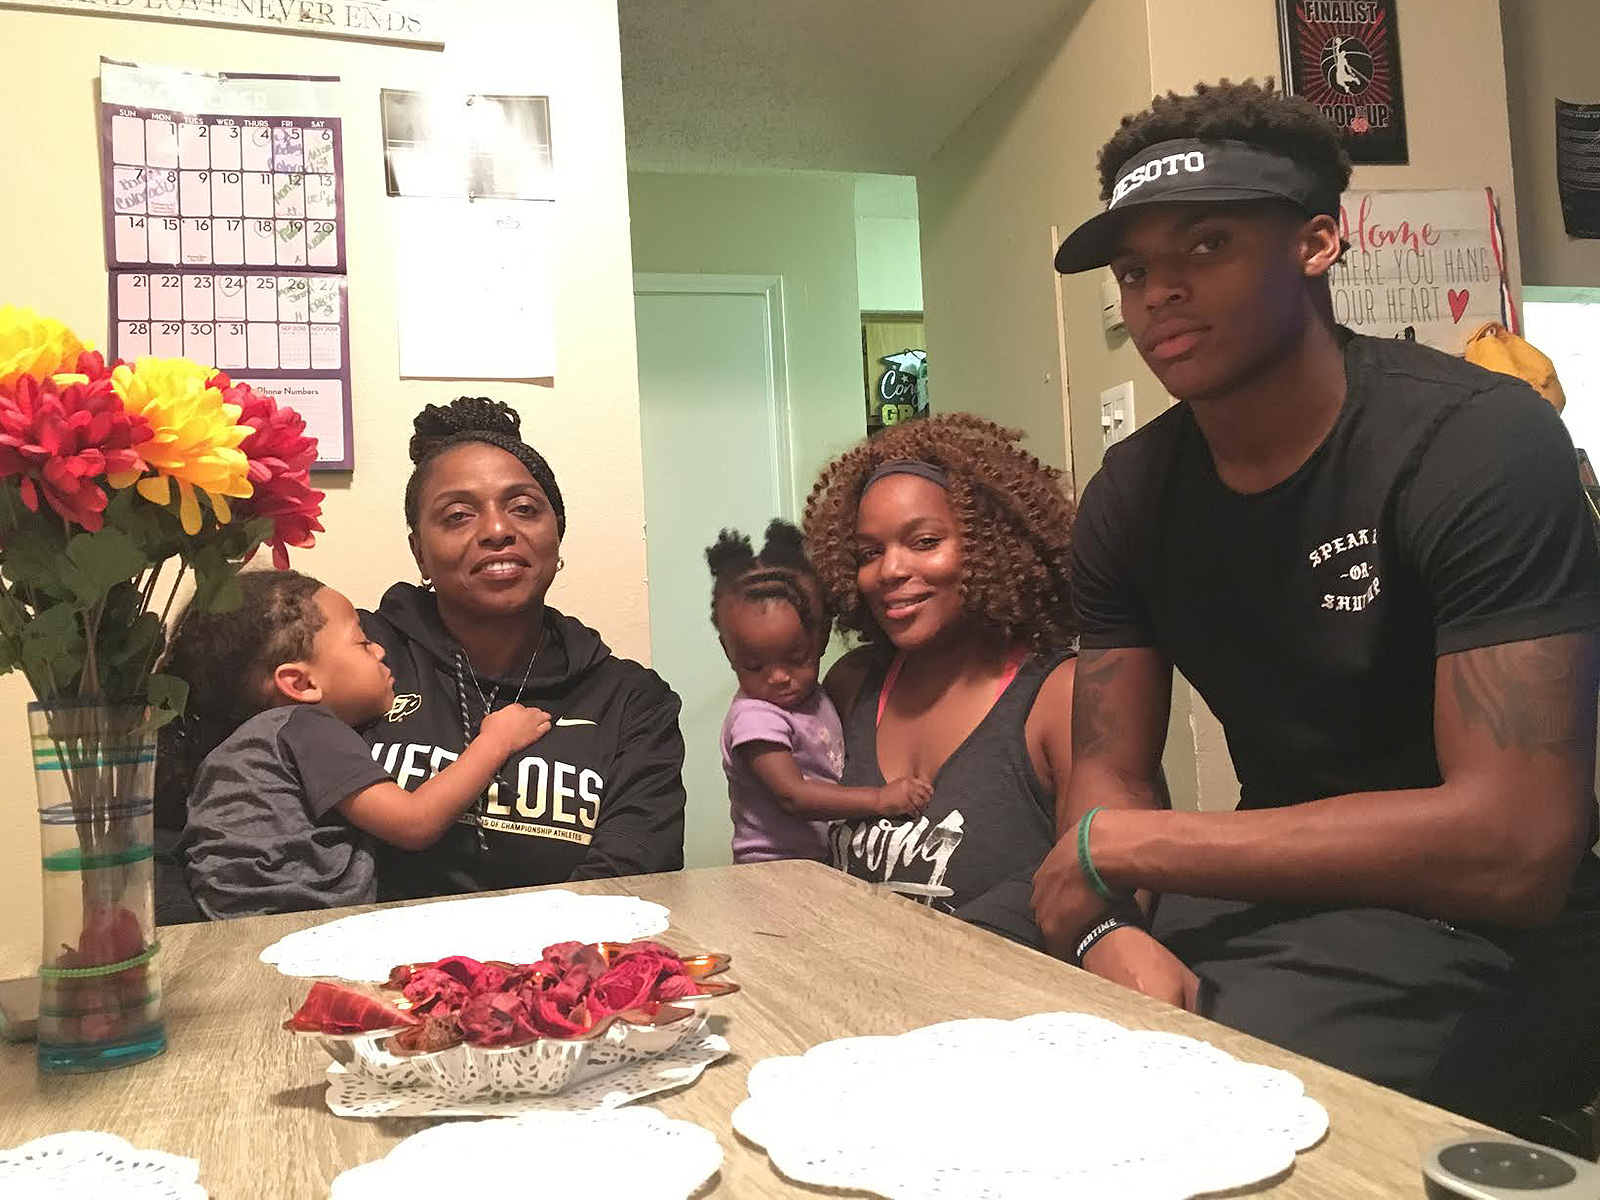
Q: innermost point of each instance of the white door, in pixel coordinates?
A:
(714, 422)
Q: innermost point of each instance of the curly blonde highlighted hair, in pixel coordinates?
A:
(1014, 518)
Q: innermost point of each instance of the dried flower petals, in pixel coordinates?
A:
(627, 985)
(495, 1019)
(433, 1034)
(332, 1009)
(676, 987)
(444, 986)
(568, 993)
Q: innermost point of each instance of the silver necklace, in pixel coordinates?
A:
(492, 700)
(464, 667)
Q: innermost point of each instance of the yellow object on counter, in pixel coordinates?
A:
(1496, 348)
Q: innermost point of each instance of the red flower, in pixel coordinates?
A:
(61, 440)
(92, 364)
(280, 457)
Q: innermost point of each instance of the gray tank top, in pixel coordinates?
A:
(988, 826)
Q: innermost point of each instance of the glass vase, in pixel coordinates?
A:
(100, 992)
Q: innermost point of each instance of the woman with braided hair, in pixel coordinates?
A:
(601, 794)
(944, 545)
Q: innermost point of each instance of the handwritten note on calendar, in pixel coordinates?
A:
(225, 232)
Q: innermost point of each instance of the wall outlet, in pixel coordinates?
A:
(1111, 304)
(1116, 413)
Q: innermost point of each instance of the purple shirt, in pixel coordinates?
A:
(763, 829)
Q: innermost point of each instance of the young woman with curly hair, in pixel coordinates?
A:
(944, 546)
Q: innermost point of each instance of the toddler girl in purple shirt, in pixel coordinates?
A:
(782, 742)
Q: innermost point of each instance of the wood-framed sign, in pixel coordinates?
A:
(1344, 56)
(409, 22)
(1427, 265)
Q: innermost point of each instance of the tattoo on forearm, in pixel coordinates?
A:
(1094, 724)
(1530, 696)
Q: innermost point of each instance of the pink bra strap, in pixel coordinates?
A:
(888, 685)
(1013, 665)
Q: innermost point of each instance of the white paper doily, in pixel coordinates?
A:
(603, 1085)
(634, 1152)
(1052, 1105)
(367, 946)
(67, 1166)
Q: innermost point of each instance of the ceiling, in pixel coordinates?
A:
(836, 85)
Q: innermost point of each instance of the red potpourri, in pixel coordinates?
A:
(572, 991)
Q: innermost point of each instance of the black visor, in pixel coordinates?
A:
(1191, 171)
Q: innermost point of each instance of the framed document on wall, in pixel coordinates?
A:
(1344, 56)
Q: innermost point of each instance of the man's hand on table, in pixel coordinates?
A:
(1133, 958)
(1064, 904)
(1065, 907)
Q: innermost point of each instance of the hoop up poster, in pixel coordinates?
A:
(1344, 57)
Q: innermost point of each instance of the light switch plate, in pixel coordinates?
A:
(1116, 413)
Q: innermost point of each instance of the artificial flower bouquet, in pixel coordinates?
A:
(118, 483)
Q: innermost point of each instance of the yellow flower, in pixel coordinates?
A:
(35, 345)
(194, 440)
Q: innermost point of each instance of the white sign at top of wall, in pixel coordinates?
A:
(413, 22)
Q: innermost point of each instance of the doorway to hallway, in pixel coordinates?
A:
(714, 422)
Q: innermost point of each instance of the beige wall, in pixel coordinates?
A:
(1552, 52)
(587, 424)
(1025, 160)
(798, 225)
(888, 244)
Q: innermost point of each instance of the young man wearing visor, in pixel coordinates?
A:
(1374, 562)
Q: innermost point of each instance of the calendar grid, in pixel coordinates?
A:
(207, 190)
(225, 242)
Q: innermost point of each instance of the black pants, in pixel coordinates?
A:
(1498, 1028)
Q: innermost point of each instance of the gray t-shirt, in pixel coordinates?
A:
(263, 833)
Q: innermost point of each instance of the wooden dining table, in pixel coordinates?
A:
(819, 956)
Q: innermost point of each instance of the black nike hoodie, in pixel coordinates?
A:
(600, 795)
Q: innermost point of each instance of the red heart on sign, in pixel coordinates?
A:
(1458, 303)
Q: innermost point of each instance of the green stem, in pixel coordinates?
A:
(148, 589)
(89, 681)
(166, 609)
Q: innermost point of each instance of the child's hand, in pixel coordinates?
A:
(511, 728)
(906, 797)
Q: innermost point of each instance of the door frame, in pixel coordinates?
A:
(770, 289)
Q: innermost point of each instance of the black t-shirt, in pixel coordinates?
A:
(1442, 513)
(264, 834)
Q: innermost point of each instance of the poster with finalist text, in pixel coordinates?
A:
(1344, 57)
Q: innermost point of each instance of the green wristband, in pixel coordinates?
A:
(1087, 863)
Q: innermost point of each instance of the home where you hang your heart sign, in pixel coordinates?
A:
(1427, 262)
